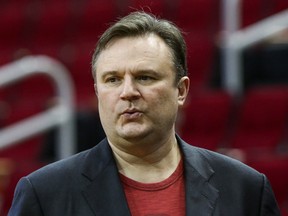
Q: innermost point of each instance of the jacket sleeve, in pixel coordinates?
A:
(269, 206)
(25, 202)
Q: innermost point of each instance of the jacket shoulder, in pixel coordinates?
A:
(226, 166)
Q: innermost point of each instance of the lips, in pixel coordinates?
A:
(131, 114)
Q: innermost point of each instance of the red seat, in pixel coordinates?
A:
(199, 58)
(53, 22)
(275, 168)
(205, 119)
(6, 55)
(12, 22)
(95, 18)
(262, 119)
(280, 5)
(198, 14)
(252, 11)
(284, 209)
(20, 168)
(81, 72)
(156, 7)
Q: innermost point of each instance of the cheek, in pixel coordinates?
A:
(106, 110)
(164, 100)
(105, 101)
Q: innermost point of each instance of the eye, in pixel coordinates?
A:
(145, 78)
(112, 79)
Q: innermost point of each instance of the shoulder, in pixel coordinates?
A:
(235, 181)
(222, 167)
(225, 165)
(72, 168)
(60, 171)
(40, 187)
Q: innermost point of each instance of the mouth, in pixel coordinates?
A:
(131, 114)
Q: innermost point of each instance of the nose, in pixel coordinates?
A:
(129, 90)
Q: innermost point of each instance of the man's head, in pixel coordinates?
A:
(141, 24)
(140, 80)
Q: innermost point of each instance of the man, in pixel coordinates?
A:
(143, 168)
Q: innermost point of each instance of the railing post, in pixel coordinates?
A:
(61, 115)
(231, 77)
(235, 40)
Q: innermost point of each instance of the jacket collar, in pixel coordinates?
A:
(105, 195)
(104, 192)
(201, 196)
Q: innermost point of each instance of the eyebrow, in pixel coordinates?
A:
(150, 71)
(144, 71)
(107, 73)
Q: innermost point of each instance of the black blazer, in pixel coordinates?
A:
(88, 184)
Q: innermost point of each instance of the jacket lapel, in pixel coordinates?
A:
(105, 195)
(104, 192)
(201, 196)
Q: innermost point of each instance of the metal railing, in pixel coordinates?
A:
(59, 116)
(236, 40)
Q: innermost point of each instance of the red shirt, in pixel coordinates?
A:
(165, 198)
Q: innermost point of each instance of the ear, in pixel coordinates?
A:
(183, 89)
(95, 89)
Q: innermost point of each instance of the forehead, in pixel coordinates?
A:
(134, 50)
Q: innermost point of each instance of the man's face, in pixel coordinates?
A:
(135, 84)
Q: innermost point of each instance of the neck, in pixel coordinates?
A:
(148, 165)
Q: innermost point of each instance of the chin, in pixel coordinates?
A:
(134, 134)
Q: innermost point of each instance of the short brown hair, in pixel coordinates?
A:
(141, 23)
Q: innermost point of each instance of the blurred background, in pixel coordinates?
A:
(237, 63)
